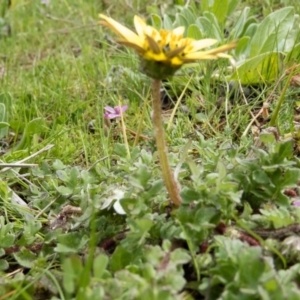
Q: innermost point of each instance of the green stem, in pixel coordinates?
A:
(124, 131)
(168, 176)
(85, 276)
(274, 117)
(258, 238)
(139, 129)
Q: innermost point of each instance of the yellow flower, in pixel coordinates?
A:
(165, 51)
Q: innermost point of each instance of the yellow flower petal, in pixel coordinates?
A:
(205, 43)
(140, 26)
(136, 47)
(179, 31)
(224, 55)
(223, 48)
(150, 31)
(121, 30)
(211, 54)
(200, 56)
(163, 52)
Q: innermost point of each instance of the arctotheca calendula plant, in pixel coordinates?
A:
(162, 52)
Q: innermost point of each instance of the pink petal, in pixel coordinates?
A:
(124, 108)
(118, 109)
(110, 116)
(110, 109)
(296, 203)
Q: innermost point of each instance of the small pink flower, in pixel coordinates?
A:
(296, 203)
(113, 113)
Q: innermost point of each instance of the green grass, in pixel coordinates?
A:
(68, 240)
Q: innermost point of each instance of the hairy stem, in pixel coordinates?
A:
(168, 176)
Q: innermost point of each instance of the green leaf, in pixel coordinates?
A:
(282, 199)
(35, 126)
(100, 263)
(235, 196)
(265, 67)
(68, 276)
(208, 24)
(166, 245)
(149, 272)
(294, 54)
(155, 189)
(181, 21)
(219, 9)
(267, 138)
(205, 5)
(194, 32)
(180, 256)
(7, 240)
(4, 126)
(2, 112)
(25, 258)
(179, 2)
(65, 191)
(3, 265)
(120, 258)
(251, 267)
(189, 195)
(70, 242)
(283, 150)
(189, 15)
(156, 21)
(247, 211)
(131, 206)
(142, 176)
(120, 150)
(58, 165)
(272, 32)
(62, 175)
(279, 217)
(205, 215)
(144, 225)
(250, 31)
(221, 168)
(72, 268)
(260, 177)
(29, 232)
(73, 178)
(167, 22)
(232, 4)
(240, 23)
(291, 177)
